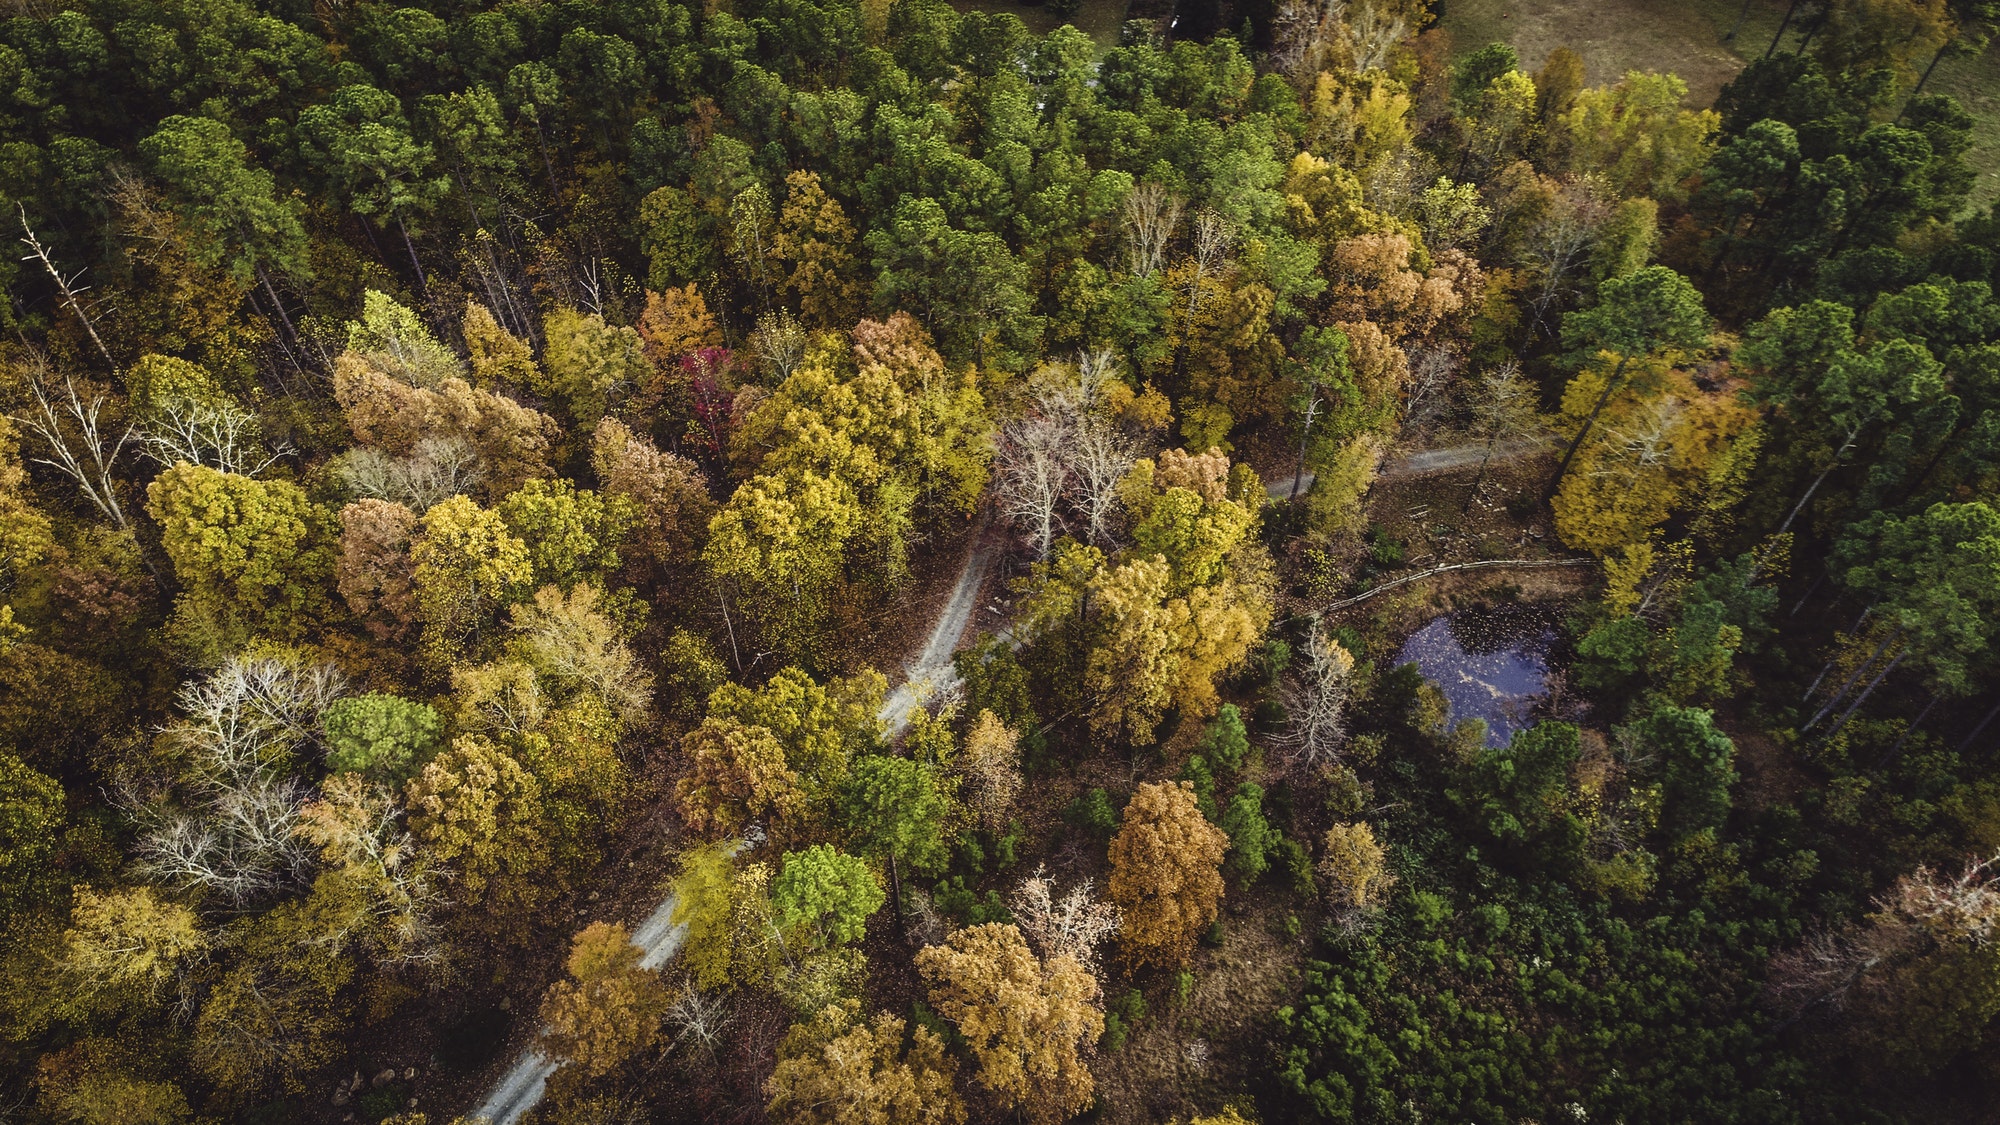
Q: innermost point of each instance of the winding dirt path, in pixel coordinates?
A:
(659, 937)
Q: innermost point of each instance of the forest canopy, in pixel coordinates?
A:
(850, 562)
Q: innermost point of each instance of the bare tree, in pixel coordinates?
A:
(697, 1018)
(1095, 369)
(1923, 910)
(1502, 403)
(221, 436)
(71, 295)
(78, 444)
(1076, 924)
(1034, 471)
(1316, 700)
(1433, 370)
(1301, 32)
(437, 469)
(1100, 457)
(1373, 30)
(1559, 245)
(1213, 236)
(780, 341)
(1152, 213)
(228, 824)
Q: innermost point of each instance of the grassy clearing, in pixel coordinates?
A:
(1688, 37)
(1099, 19)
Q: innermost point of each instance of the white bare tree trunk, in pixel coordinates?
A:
(1152, 213)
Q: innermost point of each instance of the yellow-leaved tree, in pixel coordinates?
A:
(836, 1069)
(1166, 873)
(1128, 640)
(1666, 449)
(1024, 1019)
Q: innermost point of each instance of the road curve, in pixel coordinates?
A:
(659, 937)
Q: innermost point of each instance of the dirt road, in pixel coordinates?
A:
(659, 937)
(1422, 463)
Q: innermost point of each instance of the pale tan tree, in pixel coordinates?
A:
(990, 762)
(1071, 926)
(375, 574)
(837, 1069)
(1356, 870)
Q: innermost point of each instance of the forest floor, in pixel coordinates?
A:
(1689, 38)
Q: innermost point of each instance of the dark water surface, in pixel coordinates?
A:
(1490, 666)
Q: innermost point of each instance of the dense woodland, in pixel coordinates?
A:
(471, 470)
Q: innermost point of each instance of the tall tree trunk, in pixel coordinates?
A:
(423, 283)
(1909, 730)
(1479, 477)
(1312, 411)
(1569, 454)
(1810, 591)
(1824, 473)
(1741, 13)
(548, 165)
(736, 657)
(1849, 682)
(1782, 25)
(896, 895)
(1866, 692)
(1981, 728)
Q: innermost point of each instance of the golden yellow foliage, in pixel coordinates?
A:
(835, 1069)
(1025, 1020)
(1165, 873)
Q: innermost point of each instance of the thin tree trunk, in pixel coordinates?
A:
(1910, 730)
(1741, 13)
(277, 337)
(1575, 444)
(374, 243)
(896, 895)
(1866, 692)
(69, 295)
(284, 317)
(1782, 25)
(1981, 728)
(1479, 478)
(423, 282)
(734, 655)
(1849, 682)
(1312, 411)
(548, 165)
(1810, 591)
(1824, 473)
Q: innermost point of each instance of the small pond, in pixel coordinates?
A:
(1490, 664)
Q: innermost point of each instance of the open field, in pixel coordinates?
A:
(1690, 38)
